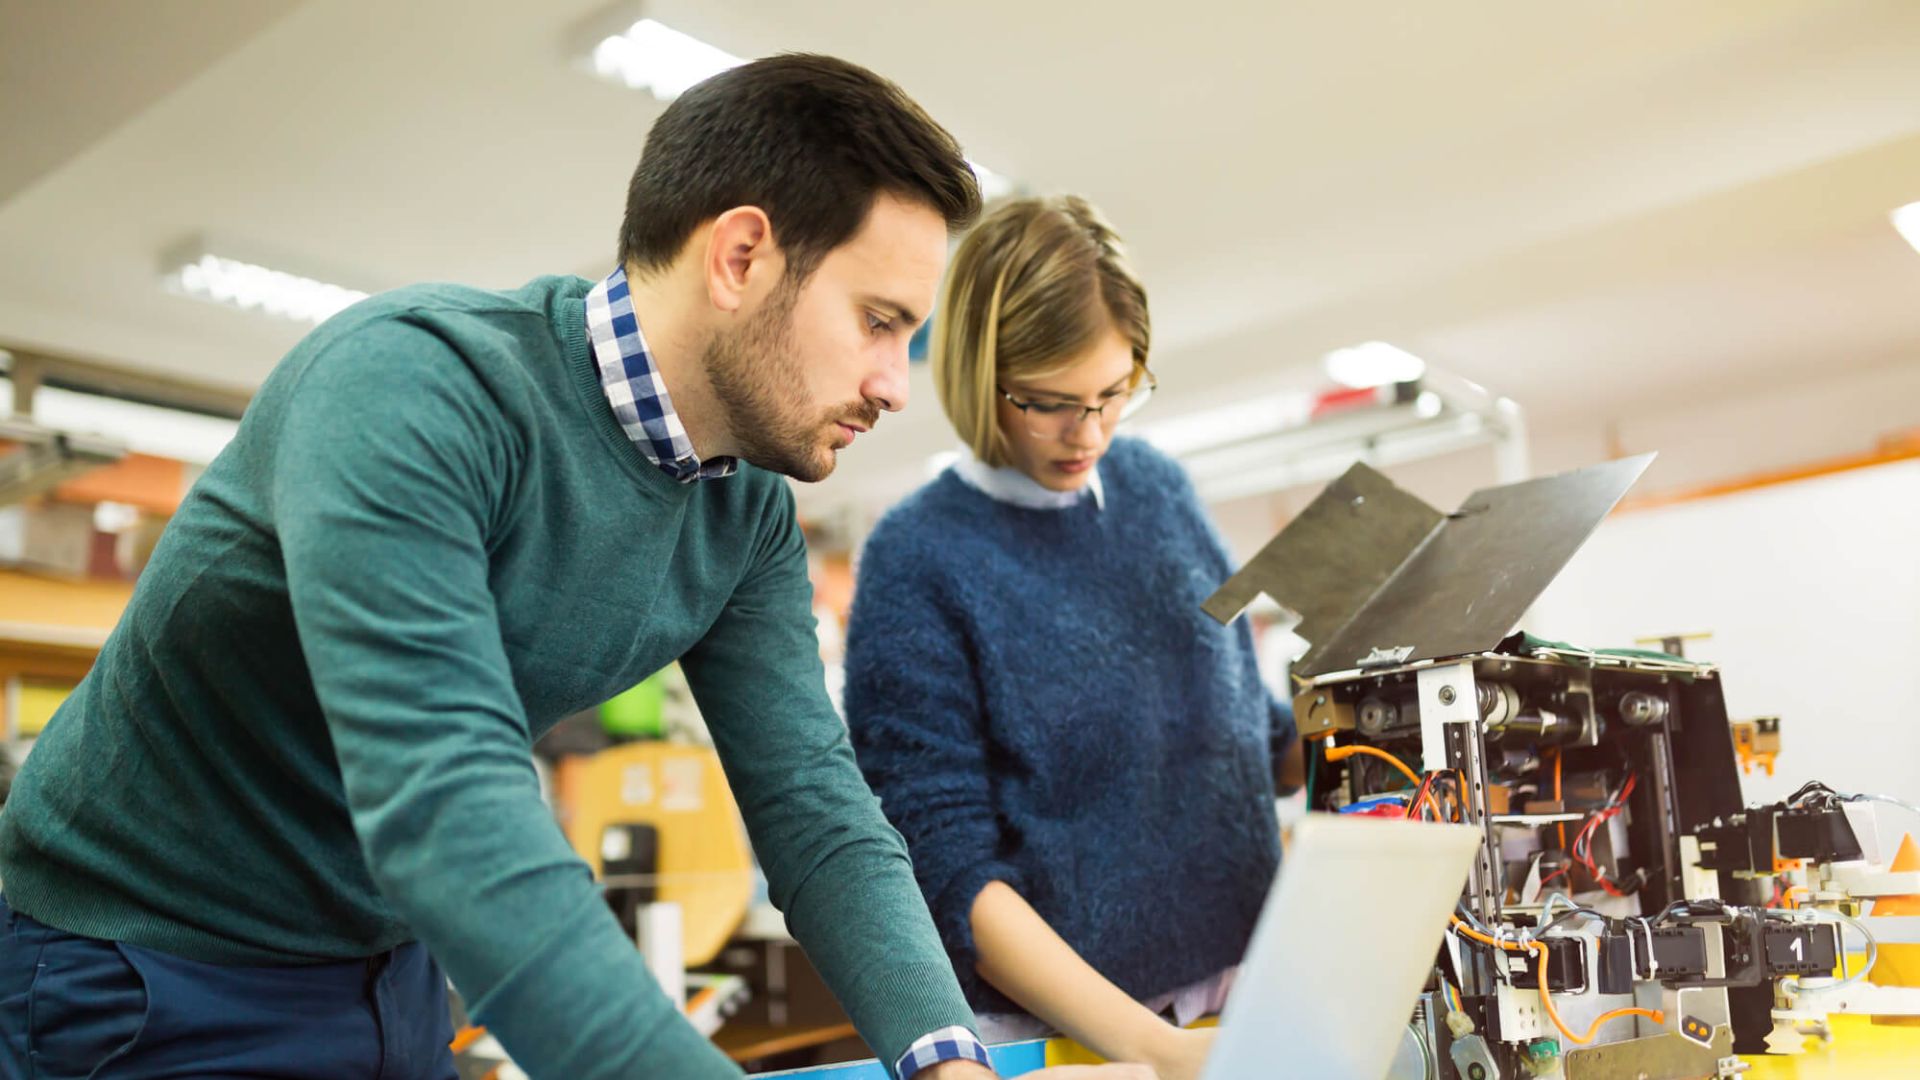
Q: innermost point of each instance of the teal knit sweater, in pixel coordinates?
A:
(309, 737)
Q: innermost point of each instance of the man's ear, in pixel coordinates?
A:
(741, 257)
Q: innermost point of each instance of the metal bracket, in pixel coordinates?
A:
(1380, 657)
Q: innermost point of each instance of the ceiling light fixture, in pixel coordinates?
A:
(252, 287)
(195, 438)
(1373, 363)
(650, 55)
(1231, 423)
(1907, 221)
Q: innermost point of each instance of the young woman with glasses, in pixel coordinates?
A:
(1082, 762)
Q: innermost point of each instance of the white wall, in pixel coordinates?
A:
(1812, 593)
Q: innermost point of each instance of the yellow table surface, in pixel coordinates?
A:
(1859, 1050)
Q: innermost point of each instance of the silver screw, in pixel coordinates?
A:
(1446, 695)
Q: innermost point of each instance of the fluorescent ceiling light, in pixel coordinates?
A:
(1281, 470)
(194, 438)
(1225, 424)
(251, 287)
(992, 184)
(1907, 221)
(655, 57)
(1374, 363)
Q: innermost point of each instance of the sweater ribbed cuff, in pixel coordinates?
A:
(904, 1004)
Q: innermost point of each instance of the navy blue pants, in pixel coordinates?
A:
(74, 1007)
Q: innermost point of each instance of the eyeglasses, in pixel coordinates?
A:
(1058, 419)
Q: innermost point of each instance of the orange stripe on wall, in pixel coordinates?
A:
(1903, 447)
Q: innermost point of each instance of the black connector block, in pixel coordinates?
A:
(1566, 966)
(1817, 835)
(1802, 948)
(1615, 974)
(1681, 952)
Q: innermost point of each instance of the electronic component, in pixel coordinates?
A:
(1566, 967)
(1605, 785)
(1766, 840)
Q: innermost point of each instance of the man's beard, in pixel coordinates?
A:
(758, 377)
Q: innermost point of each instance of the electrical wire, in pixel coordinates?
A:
(1556, 795)
(1706, 909)
(1457, 798)
(1873, 947)
(1574, 911)
(1342, 753)
(1464, 912)
(1422, 796)
(1546, 996)
(1815, 793)
(1582, 851)
(1888, 799)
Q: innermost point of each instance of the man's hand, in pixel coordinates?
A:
(967, 1070)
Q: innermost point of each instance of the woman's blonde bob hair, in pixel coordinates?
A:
(1035, 284)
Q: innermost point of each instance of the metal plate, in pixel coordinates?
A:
(1667, 1056)
(1333, 557)
(1466, 586)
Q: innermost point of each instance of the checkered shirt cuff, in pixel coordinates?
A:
(947, 1044)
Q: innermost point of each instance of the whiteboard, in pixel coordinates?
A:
(1811, 590)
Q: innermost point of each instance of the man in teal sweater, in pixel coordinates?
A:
(300, 773)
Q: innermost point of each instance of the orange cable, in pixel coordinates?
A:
(1556, 798)
(1341, 753)
(1546, 997)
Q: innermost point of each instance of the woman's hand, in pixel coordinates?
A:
(1180, 1053)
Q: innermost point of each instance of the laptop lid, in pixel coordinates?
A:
(1342, 949)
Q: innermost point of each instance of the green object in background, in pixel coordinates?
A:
(639, 713)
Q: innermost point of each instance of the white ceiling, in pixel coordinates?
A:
(1584, 207)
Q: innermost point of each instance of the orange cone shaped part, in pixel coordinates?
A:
(1899, 965)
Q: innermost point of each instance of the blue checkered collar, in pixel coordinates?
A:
(634, 387)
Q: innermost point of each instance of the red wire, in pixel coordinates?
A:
(1582, 840)
(1420, 796)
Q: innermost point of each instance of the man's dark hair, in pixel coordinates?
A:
(808, 139)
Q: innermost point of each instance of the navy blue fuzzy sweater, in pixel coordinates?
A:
(1038, 699)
